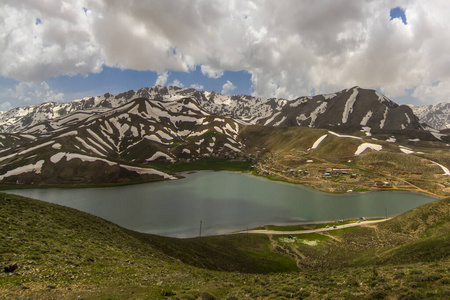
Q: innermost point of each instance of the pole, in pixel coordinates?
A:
(200, 228)
(385, 211)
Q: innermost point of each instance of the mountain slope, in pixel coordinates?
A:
(436, 116)
(116, 145)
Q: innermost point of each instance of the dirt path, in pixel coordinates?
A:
(297, 256)
(276, 232)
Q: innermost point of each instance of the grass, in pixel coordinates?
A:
(66, 254)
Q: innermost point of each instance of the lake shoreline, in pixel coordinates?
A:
(224, 201)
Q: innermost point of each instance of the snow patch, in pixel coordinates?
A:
(438, 135)
(85, 158)
(318, 141)
(271, 119)
(35, 147)
(392, 139)
(365, 146)
(200, 142)
(159, 154)
(329, 96)
(446, 170)
(164, 135)
(384, 118)
(406, 150)
(319, 110)
(57, 157)
(348, 109)
(89, 147)
(28, 136)
(37, 167)
(70, 133)
(407, 118)
(57, 146)
(344, 136)
(231, 147)
(367, 130)
(366, 118)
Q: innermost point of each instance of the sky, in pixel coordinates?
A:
(61, 50)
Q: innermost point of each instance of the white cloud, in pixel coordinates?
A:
(26, 93)
(211, 72)
(162, 78)
(228, 88)
(197, 86)
(61, 43)
(437, 93)
(177, 83)
(289, 47)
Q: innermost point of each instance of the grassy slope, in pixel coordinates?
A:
(64, 253)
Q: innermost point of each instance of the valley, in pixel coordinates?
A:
(353, 140)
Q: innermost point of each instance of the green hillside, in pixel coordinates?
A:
(62, 253)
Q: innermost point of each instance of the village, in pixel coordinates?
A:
(329, 177)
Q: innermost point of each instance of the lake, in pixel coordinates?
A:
(224, 202)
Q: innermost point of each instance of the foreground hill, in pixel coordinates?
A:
(66, 254)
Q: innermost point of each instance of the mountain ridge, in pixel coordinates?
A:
(436, 116)
(349, 107)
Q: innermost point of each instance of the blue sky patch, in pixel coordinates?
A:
(398, 12)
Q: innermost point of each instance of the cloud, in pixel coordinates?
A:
(197, 86)
(289, 47)
(228, 88)
(439, 92)
(26, 93)
(41, 39)
(210, 72)
(162, 78)
(177, 83)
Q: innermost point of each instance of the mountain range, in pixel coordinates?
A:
(436, 116)
(120, 138)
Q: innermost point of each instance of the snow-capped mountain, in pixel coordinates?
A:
(116, 141)
(351, 108)
(436, 116)
(117, 138)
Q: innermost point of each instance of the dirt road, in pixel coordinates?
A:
(260, 231)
